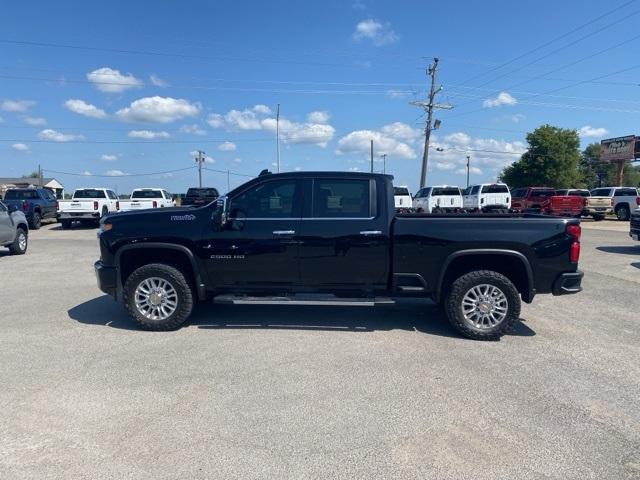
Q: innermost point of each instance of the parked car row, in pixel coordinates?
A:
(497, 198)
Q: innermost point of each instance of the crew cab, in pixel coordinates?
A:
(196, 197)
(333, 238)
(487, 197)
(88, 206)
(143, 198)
(544, 200)
(624, 200)
(37, 204)
(438, 199)
(402, 198)
(596, 207)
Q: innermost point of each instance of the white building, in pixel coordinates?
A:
(51, 183)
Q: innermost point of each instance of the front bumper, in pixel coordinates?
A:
(568, 283)
(107, 278)
(79, 216)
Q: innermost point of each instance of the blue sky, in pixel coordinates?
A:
(112, 88)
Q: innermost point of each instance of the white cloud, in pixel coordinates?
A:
(19, 106)
(147, 134)
(85, 109)
(377, 32)
(517, 118)
(20, 147)
(207, 158)
(107, 157)
(315, 133)
(318, 117)
(397, 93)
(55, 136)
(158, 109)
(193, 129)
(227, 147)
(236, 161)
(359, 141)
(157, 81)
(261, 109)
(487, 154)
(86, 173)
(35, 121)
(115, 173)
(401, 131)
(589, 131)
(358, 5)
(110, 80)
(1, 120)
(503, 98)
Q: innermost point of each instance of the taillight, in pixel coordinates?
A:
(155, 204)
(574, 232)
(25, 206)
(57, 205)
(95, 205)
(638, 201)
(117, 205)
(611, 202)
(584, 202)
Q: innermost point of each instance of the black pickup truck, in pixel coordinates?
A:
(333, 238)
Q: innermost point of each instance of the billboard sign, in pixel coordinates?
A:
(617, 149)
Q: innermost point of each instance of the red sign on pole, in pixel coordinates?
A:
(618, 149)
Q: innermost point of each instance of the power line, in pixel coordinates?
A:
(550, 42)
(119, 175)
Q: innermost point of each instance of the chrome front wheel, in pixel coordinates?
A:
(156, 298)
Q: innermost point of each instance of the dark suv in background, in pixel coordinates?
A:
(199, 197)
(37, 204)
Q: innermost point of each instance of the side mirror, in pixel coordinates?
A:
(220, 214)
(12, 208)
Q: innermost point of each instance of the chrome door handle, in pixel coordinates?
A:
(368, 233)
(284, 232)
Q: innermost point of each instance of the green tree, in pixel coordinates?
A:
(551, 160)
(31, 175)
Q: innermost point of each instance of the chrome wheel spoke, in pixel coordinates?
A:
(485, 306)
(156, 298)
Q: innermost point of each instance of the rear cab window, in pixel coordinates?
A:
(601, 192)
(400, 191)
(146, 194)
(89, 193)
(543, 192)
(495, 189)
(625, 192)
(441, 191)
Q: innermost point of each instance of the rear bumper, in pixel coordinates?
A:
(79, 216)
(598, 210)
(107, 278)
(568, 283)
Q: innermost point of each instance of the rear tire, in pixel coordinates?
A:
(36, 221)
(158, 297)
(482, 305)
(623, 213)
(21, 242)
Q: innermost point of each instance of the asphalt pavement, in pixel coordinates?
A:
(270, 392)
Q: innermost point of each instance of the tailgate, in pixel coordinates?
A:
(566, 203)
(77, 206)
(599, 202)
(496, 199)
(448, 201)
(136, 205)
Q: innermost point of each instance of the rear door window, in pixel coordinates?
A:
(341, 198)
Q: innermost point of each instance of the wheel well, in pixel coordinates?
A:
(510, 266)
(621, 205)
(131, 260)
(22, 226)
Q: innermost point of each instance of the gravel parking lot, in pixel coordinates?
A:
(307, 392)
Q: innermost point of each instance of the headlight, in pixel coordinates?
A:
(104, 227)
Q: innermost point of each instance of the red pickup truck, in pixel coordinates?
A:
(544, 200)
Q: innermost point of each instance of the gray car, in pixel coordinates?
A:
(14, 230)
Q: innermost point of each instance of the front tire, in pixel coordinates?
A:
(482, 305)
(158, 297)
(21, 242)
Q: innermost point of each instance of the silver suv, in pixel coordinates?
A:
(14, 230)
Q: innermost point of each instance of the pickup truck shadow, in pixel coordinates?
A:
(415, 316)
(76, 226)
(623, 249)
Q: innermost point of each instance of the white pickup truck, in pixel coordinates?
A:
(143, 198)
(87, 205)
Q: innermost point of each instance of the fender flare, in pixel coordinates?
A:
(200, 286)
(527, 295)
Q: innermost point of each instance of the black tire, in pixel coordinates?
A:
(623, 213)
(65, 224)
(36, 221)
(176, 279)
(597, 217)
(18, 247)
(105, 211)
(462, 285)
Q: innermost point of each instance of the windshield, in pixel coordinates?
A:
(146, 194)
(400, 191)
(21, 195)
(89, 193)
(437, 191)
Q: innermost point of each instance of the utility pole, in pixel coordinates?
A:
(200, 161)
(468, 160)
(371, 155)
(39, 176)
(384, 162)
(228, 182)
(278, 138)
(428, 107)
